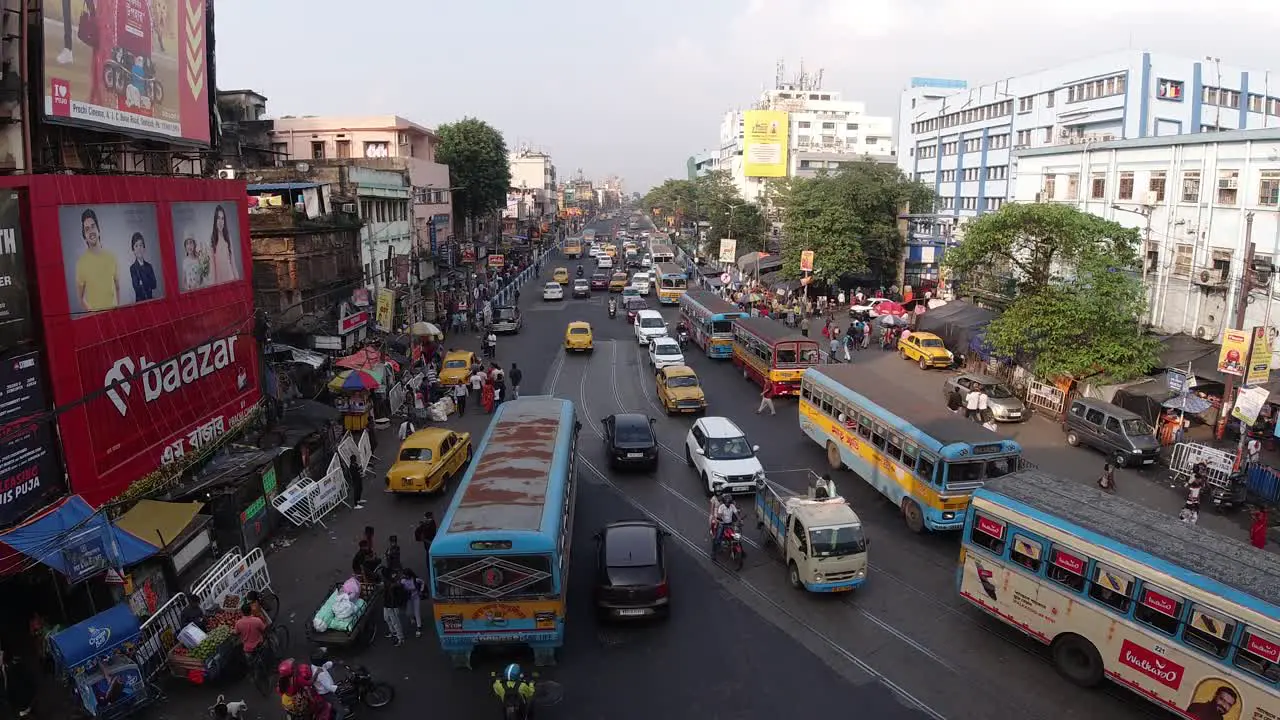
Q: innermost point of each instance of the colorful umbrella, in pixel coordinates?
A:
(365, 359)
(888, 308)
(354, 380)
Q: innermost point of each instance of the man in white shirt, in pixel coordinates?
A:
(477, 383)
(971, 404)
(325, 687)
(982, 404)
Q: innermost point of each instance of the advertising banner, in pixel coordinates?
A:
(110, 255)
(806, 260)
(30, 475)
(1259, 359)
(728, 250)
(765, 137)
(132, 66)
(1235, 349)
(15, 303)
(497, 261)
(468, 253)
(385, 312)
(207, 245)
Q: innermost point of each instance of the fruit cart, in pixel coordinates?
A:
(213, 654)
(328, 629)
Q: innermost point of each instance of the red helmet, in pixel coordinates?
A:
(285, 668)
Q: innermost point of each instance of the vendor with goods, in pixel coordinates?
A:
(341, 611)
(206, 642)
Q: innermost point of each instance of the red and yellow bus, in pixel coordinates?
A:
(772, 354)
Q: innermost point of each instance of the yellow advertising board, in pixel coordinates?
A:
(386, 307)
(1259, 372)
(764, 140)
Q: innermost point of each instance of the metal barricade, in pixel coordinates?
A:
(1187, 455)
(1046, 398)
(233, 575)
(395, 397)
(159, 635)
(348, 449)
(1264, 483)
(366, 451)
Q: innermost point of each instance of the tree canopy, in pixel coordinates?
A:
(711, 198)
(476, 154)
(1077, 297)
(848, 219)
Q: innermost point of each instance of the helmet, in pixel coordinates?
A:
(512, 673)
(302, 674)
(726, 498)
(285, 668)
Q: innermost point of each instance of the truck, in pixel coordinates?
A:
(821, 541)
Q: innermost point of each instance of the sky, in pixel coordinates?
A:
(633, 88)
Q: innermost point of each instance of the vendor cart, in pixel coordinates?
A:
(97, 657)
(208, 658)
(360, 629)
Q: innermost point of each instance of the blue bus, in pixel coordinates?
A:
(927, 466)
(500, 563)
(710, 321)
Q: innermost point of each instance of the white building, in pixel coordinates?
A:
(1190, 195)
(533, 181)
(825, 132)
(704, 163)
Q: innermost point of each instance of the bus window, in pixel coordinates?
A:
(926, 467)
(1026, 552)
(1208, 631)
(1111, 587)
(909, 453)
(811, 356)
(998, 468)
(988, 534)
(964, 472)
(805, 394)
(877, 437)
(786, 354)
(1066, 569)
(826, 404)
(895, 447)
(1252, 662)
(864, 427)
(1158, 609)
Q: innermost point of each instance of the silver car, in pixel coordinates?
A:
(1003, 404)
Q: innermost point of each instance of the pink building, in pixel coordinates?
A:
(387, 142)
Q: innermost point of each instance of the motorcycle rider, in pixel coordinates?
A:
(613, 307)
(580, 271)
(297, 692)
(324, 685)
(682, 334)
(724, 514)
(512, 687)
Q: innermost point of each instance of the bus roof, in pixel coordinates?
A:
(932, 419)
(1176, 548)
(770, 330)
(669, 269)
(712, 303)
(661, 247)
(507, 487)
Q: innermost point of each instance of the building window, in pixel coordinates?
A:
(1048, 98)
(1191, 186)
(1169, 90)
(802, 140)
(1026, 104)
(950, 148)
(803, 124)
(1269, 188)
(998, 172)
(1024, 139)
(851, 126)
(1255, 103)
(828, 126)
(998, 142)
(1209, 96)
(994, 203)
(1126, 186)
(344, 148)
(969, 203)
(317, 149)
(872, 140)
(1156, 185)
(1229, 99)
(1050, 187)
(804, 164)
(378, 149)
(1228, 187)
(1273, 106)
(1183, 255)
(1073, 186)
(1098, 186)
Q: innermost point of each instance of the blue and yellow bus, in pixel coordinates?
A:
(710, 321)
(672, 283)
(500, 563)
(928, 466)
(662, 253)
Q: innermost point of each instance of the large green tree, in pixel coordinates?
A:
(479, 172)
(848, 219)
(714, 199)
(1071, 281)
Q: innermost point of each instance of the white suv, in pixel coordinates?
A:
(649, 325)
(719, 452)
(665, 352)
(642, 282)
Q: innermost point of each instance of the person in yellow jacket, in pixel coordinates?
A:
(511, 686)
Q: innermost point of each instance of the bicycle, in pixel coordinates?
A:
(263, 660)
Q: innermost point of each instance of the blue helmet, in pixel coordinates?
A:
(512, 673)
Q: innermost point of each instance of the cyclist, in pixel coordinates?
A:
(255, 603)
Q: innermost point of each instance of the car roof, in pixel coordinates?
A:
(631, 419)
(426, 438)
(562, 268)
(665, 340)
(678, 371)
(925, 335)
(457, 354)
(649, 311)
(628, 531)
(716, 426)
(580, 323)
(982, 378)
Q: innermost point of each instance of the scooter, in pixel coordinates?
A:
(1230, 494)
(613, 309)
(682, 337)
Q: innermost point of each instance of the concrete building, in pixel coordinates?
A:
(533, 182)
(825, 132)
(244, 132)
(704, 163)
(385, 142)
(1190, 195)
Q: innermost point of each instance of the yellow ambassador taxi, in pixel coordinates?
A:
(456, 367)
(618, 282)
(561, 275)
(428, 460)
(926, 349)
(578, 337)
(679, 390)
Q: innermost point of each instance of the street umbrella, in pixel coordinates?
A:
(889, 307)
(423, 328)
(891, 320)
(1187, 403)
(350, 380)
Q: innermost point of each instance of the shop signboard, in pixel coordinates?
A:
(384, 314)
(86, 553)
(350, 323)
(253, 523)
(15, 303)
(30, 475)
(497, 261)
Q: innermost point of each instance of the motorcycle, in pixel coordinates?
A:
(579, 271)
(731, 540)
(359, 687)
(682, 337)
(545, 694)
(613, 310)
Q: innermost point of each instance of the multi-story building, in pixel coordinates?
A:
(825, 131)
(245, 132)
(533, 180)
(1191, 196)
(704, 163)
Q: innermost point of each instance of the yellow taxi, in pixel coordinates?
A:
(679, 390)
(561, 275)
(926, 349)
(578, 337)
(456, 367)
(618, 282)
(428, 459)
(611, 250)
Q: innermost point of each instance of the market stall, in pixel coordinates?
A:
(203, 655)
(97, 657)
(354, 396)
(185, 539)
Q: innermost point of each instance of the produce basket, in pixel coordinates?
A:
(207, 660)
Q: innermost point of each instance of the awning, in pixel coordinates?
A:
(74, 540)
(298, 355)
(83, 644)
(158, 523)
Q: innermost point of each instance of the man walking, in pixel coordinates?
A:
(460, 398)
(516, 376)
(766, 400)
(394, 600)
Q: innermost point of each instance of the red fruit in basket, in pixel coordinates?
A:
(180, 650)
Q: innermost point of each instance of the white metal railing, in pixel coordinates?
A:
(1046, 398)
(1186, 456)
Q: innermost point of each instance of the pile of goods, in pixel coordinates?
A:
(199, 655)
(208, 647)
(341, 610)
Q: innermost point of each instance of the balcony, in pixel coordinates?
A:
(287, 221)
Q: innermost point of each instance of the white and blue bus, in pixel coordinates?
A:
(710, 321)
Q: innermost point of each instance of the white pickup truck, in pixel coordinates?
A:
(822, 542)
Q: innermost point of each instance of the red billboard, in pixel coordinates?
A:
(143, 291)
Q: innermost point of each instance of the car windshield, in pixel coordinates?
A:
(579, 283)
(600, 277)
(455, 364)
(553, 286)
(666, 349)
(578, 331)
(998, 392)
(1136, 427)
(631, 547)
(682, 381)
(837, 541)
(652, 322)
(931, 343)
(632, 432)
(505, 314)
(619, 278)
(728, 448)
(416, 454)
(722, 327)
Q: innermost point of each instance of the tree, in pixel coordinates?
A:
(1077, 296)
(479, 171)
(714, 199)
(849, 220)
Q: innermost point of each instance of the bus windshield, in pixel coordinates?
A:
(972, 473)
(670, 283)
(722, 327)
(837, 541)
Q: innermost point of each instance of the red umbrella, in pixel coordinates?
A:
(365, 359)
(888, 307)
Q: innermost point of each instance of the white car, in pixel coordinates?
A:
(552, 291)
(868, 306)
(646, 261)
(665, 352)
(719, 452)
(649, 325)
(642, 282)
(604, 262)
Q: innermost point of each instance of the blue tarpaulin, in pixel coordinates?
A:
(83, 645)
(76, 541)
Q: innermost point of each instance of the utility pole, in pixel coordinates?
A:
(1146, 211)
(1231, 387)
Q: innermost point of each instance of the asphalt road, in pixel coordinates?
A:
(739, 645)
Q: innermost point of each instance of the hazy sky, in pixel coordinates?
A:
(634, 88)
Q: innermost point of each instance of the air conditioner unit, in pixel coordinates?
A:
(227, 174)
(1152, 197)
(1211, 277)
(348, 208)
(1204, 332)
(1228, 183)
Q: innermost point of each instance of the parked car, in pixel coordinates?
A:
(629, 440)
(1120, 434)
(1003, 404)
(631, 571)
(552, 291)
(719, 452)
(867, 306)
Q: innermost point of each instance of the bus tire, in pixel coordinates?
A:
(912, 515)
(793, 576)
(1077, 660)
(833, 457)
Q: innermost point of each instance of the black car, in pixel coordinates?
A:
(629, 441)
(631, 571)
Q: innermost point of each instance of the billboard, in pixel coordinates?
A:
(30, 476)
(133, 66)
(15, 303)
(207, 245)
(142, 382)
(764, 143)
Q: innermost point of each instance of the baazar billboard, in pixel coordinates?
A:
(143, 291)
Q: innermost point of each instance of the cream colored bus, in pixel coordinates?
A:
(1184, 617)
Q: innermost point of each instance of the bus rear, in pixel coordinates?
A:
(672, 283)
(772, 354)
(573, 248)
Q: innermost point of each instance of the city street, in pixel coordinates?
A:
(739, 645)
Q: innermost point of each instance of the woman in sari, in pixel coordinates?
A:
(486, 395)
